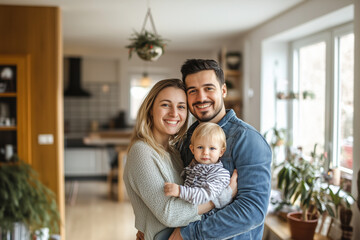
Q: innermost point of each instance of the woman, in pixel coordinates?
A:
(153, 160)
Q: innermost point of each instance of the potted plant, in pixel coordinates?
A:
(149, 46)
(339, 207)
(278, 141)
(300, 181)
(25, 201)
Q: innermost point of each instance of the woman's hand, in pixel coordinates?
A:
(140, 236)
(233, 183)
(172, 190)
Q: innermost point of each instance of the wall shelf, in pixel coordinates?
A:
(15, 108)
(233, 80)
(9, 94)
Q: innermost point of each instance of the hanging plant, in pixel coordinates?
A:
(147, 45)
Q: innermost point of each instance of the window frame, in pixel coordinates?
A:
(332, 89)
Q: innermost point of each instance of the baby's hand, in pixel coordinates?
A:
(172, 189)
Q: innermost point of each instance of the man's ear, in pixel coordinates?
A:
(224, 90)
(191, 148)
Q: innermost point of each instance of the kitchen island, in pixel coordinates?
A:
(120, 140)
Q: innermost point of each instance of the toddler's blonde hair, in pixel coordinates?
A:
(211, 130)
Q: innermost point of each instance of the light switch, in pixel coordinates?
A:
(45, 139)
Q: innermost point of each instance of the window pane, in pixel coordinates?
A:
(137, 96)
(346, 99)
(311, 111)
(140, 86)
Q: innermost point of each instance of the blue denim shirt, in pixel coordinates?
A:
(250, 154)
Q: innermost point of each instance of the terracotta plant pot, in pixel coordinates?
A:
(301, 230)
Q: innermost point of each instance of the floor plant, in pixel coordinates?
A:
(25, 199)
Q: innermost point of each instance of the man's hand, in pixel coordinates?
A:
(140, 236)
(176, 235)
(233, 183)
(172, 189)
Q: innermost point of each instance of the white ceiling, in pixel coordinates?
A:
(189, 24)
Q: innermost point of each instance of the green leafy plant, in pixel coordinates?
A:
(23, 198)
(300, 180)
(145, 41)
(337, 200)
(275, 137)
(308, 94)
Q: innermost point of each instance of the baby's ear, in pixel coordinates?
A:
(191, 148)
(222, 151)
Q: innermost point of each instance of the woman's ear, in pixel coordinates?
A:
(191, 148)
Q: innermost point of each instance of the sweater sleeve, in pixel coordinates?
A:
(146, 173)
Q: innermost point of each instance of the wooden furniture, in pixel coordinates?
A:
(119, 139)
(119, 173)
(36, 31)
(15, 128)
(274, 225)
(233, 80)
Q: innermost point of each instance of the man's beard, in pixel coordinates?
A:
(208, 118)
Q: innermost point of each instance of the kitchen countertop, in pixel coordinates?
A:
(109, 137)
(103, 138)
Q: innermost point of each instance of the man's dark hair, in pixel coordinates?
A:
(196, 65)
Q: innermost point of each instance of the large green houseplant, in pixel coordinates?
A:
(24, 199)
(300, 181)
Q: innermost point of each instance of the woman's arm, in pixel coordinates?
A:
(145, 176)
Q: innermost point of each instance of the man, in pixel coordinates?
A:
(247, 151)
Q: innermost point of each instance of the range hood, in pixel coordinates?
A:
(74, 88)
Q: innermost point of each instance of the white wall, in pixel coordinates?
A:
(274, 77)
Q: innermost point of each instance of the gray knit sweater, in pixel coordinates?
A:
(144, 175)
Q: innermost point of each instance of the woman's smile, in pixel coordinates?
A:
(169, 113)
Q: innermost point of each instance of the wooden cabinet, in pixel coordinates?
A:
(231, 65)
(14, 107)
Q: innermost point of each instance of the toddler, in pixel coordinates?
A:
(206, 178)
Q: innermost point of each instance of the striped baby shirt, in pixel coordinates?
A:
(204, 183)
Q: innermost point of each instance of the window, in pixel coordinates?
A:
(322, 111)
(139, 88)
(345, 47)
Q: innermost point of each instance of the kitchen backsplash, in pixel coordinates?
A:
(103, 105)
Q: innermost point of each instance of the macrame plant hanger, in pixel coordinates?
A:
(148, 45)
(150, 17)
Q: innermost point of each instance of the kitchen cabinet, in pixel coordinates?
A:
(14, 107)
(80, 162)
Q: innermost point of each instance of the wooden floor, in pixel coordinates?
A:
(92, 216)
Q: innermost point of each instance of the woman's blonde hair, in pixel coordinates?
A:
(144, 119)
(209, 130)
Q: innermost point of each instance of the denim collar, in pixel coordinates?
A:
(229, 115)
